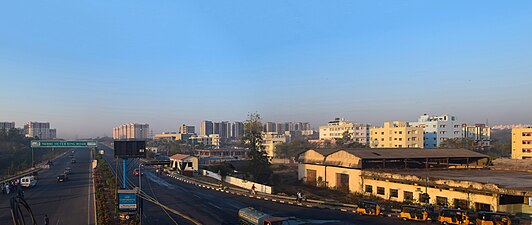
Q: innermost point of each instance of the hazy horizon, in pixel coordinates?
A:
(89, 66)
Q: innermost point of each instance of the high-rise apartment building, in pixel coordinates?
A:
(184, 129)
(53, 133)
(37, 129)
(206, 128)
(270, 127)
(237, 130)
(438, 128)
(7, 125)
(281, 128)
(216, 128)
(522, 143)
(397, 134)
(225, 130)
(336, 128)
(131, 131)
(480, 133)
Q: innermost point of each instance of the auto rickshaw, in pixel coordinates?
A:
(412, 212)
(453, 216)
(368, 208)
(492, 218)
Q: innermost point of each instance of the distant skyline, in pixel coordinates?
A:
(98, 64)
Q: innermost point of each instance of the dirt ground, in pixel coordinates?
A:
(513, 164)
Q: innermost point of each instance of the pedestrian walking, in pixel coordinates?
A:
(253, 192)
(7, 188)
(46, 220)
(299, 197)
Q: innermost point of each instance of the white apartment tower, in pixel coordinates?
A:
(438, 128)
(131, 131)
(336, 128)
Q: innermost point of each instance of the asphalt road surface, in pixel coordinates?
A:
(69, 202)
(213, 207)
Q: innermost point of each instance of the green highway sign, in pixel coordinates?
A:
(59, 144)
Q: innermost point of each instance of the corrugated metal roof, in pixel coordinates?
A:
(323, 151)
(179, 156)
(412, 153)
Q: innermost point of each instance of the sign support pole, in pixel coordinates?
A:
(124, 162)
(32, 159)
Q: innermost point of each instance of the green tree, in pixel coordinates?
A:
(347, 141)
(466, 143)
(259, 167)
(344, 141)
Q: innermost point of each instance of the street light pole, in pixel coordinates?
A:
(140, 189)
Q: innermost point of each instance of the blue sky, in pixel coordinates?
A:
(86, 66)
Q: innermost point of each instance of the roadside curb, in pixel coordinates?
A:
(277, 199)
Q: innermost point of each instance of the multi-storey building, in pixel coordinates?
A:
(224, 130)
(270, 127)
(480, 133)
(397, 134)
(271, 139)
(336, 128)
(53, 133)
(7, 125)
(237, 130)
(211, 140)
(131, 131)
(438, 128)
(206, 128)
(522, 143)
(37, 129)
(184, 129)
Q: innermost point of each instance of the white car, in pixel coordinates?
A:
(28, 181)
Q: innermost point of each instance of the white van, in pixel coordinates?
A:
(28, 181)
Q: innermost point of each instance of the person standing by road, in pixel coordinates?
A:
(253, 192)
(46, 220)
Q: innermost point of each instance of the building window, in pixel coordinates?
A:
(394, 193)
(408, 196)
(380, 190)
(368, 189)
(441, 201)
(400, 132)
(482, 206)
(460, 203)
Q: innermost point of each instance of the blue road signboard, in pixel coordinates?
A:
(127, 201)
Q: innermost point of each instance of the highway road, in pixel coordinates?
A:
(68, 202)
(213, 207)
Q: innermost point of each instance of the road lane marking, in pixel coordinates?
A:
(214, 206)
